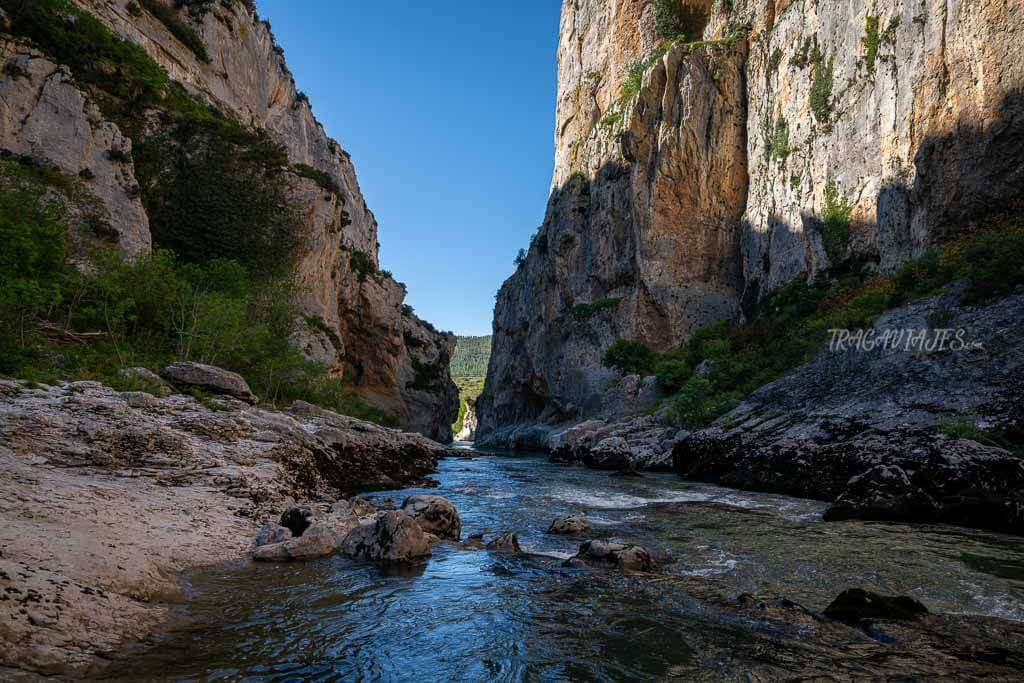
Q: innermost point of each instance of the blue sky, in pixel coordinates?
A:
(447, 108)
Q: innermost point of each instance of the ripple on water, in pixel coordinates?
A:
(475, 615)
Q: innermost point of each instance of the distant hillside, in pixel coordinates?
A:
(471, 356)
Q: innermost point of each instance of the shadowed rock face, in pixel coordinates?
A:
(706, 189)
(363, 332)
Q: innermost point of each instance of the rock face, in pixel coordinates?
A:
(357, 324)
(630, 444)
(703, 188)
(45, 117)
(859, 428)
(105, 500)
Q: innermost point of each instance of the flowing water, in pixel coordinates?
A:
(477, 615)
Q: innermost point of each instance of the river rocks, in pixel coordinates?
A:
(625, 557)
(270, 534)
(857, 604)
(568, 525)
(319, 540)
(358, 506)
(861, 428)
(505, 543)
(210, 378)
(629, 444)
(435, 515)
(297, 519)
(392, 536)
(188, 486)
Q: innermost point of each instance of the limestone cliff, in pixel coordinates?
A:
(691, 178)
(357, 323)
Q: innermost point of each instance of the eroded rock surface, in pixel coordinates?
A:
(104, 500)
(861, 427)
(436, 515)
(621, 555)
(393, 536)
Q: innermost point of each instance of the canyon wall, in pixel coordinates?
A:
(355, 320)
(691, 178)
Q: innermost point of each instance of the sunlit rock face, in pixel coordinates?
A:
(358, 324)
(702, 186)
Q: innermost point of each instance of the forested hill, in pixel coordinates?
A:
(471, 355)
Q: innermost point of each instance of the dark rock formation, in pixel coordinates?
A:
(857, 604)
(209, 378)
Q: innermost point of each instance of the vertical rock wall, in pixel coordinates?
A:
(703, 187)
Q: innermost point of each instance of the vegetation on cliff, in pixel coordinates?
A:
(216, 290)
(722, 363)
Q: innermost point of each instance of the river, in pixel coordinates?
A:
(477, 615)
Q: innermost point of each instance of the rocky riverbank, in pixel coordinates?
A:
(106, 496)
(906, 433)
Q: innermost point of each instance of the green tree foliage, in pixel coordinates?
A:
(835, 218)
(150, 313)
(822, 82)
(95, 56)
(630, 356)
(588, 311)
(32, 258)
(471, 357)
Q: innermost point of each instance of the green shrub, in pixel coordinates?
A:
(632, 357)
(362, 265)
(321, 178)
(178, 28)
(520, 258)
(872, 42)
(698, 404)
(674, 20)
(821, 86)
(588, 311)
(33, 231)
(777, 138)
(611, 119)
(96, 57)
(835, 218)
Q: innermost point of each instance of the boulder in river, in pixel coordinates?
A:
(320, 540)
(857, 604)
(210, 378)
(391, 536)
(626, 557)
(573, 524)
(435, 515)
(506, 543)
(271, 533)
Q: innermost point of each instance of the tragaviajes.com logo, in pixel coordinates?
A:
(906, 339)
